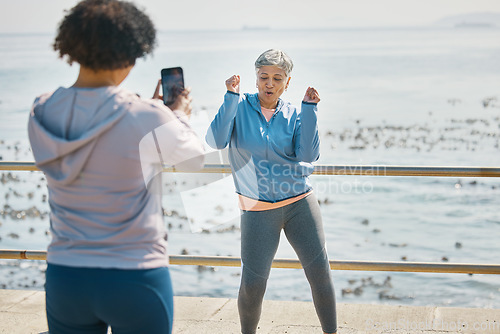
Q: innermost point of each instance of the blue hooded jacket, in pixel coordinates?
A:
(270, 161)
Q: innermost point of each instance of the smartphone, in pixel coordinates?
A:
(172, 81)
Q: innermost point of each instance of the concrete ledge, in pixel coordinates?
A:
(23, 312)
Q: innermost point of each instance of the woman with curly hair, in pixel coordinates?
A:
(102, 148)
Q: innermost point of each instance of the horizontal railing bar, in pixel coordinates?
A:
(230, 261)
(22, 254)
(18, 166)
(362, 170)
(380, 170)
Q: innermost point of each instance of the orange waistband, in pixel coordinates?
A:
(250, 204)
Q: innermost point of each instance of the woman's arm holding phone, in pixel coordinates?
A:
(178, 144)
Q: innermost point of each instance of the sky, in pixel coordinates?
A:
(26, 16)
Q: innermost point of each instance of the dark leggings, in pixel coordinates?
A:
(88, 300)
(260, 235)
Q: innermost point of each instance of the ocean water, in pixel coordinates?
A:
(425, 96)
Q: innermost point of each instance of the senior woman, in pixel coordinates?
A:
(271, 147)
(101, 148)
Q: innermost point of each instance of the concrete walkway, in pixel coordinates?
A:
(23, 312)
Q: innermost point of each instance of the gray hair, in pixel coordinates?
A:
(274, 57)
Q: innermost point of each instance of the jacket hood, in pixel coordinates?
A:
(255, 102)
(64, 126)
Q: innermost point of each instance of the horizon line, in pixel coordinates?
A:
(250, 28)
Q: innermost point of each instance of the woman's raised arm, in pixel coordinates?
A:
(221, 128)
(307, 135)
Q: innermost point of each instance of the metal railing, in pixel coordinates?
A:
(364, 170)
(231, 261)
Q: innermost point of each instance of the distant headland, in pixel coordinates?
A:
(471, 20)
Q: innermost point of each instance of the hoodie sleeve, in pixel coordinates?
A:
(307, 135)
(221, 128)
(178, 144)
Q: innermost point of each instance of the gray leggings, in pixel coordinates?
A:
(260, 234)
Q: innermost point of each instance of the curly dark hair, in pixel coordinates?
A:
(105, 34)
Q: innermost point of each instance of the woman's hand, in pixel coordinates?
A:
(182, 101)
(311, 96)
(156, 94)
(233, 84)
